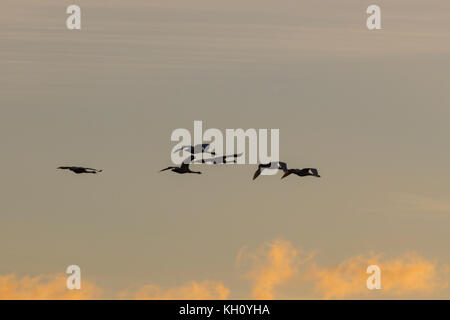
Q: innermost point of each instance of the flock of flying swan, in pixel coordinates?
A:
(203, 148)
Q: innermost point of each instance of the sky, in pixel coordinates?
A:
(369, 109)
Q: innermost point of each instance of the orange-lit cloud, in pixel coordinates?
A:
(277, 266)
(278, 269)
(406, 274)
(44, 287)
(206, 290)
(271, 267)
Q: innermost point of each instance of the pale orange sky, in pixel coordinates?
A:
(370, 109)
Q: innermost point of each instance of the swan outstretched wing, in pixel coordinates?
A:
(181, 148)
(257, 173)
(282, 166)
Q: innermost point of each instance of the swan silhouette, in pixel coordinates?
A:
(271, 165)
(199, 148)
(79, 170)
(283, 166)
(302, 172)
(219, 160)
(184, 168)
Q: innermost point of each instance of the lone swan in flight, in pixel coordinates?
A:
(302, 172)
(184, 168)
(220, 160)
(199, 148)
(270, 165)
(79, 170)
(283, 166)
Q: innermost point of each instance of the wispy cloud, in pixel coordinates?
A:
(423, 203)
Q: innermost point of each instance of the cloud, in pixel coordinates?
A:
(53, 287)
(44, 287)
(277, 268)
(271, 267)
(409, 273)
(192, 290)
